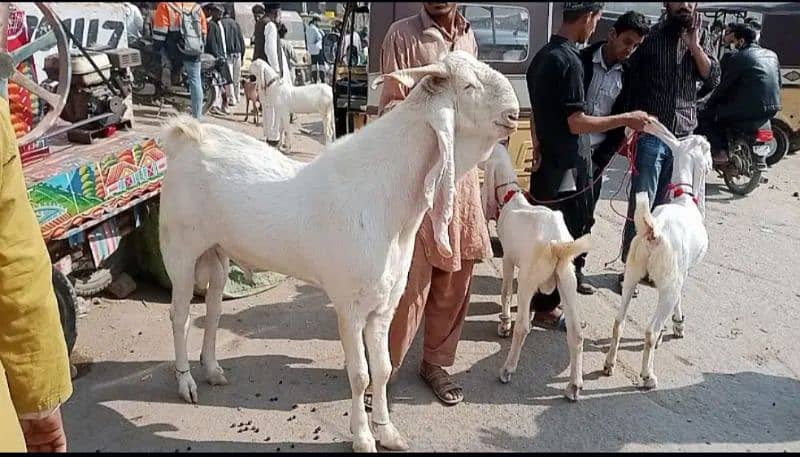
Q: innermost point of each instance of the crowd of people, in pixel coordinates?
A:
(582, 101)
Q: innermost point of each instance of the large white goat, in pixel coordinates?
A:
(346, 222)
(536, 240)
(669, 242)
(287, 99)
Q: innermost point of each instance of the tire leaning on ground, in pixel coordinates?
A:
(781, 133)
(66, 298)
(93, 282)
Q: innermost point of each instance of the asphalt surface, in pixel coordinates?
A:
(732, 384)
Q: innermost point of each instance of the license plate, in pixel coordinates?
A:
(761, 149)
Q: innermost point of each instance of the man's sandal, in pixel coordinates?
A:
(441, 383)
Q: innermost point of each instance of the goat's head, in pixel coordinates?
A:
(266, 76)
(462, 97)
(691, 163)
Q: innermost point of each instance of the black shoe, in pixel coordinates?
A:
(584, 288)
(274, 144)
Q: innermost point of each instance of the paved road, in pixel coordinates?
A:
(733, 384)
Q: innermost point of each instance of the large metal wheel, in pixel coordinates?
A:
(10, 60)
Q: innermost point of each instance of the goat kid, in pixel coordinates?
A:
(670, 241)
(286, 99)
(251, 96)
(536, 240)
(272, 213)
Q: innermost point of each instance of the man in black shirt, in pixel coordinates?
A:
(555, 85)
(672, 61)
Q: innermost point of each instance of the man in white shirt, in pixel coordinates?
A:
(278, 60)
(314, 40)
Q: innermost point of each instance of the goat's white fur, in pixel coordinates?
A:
(288, 99)
(669, 242)
(345, 222)
(536, 240)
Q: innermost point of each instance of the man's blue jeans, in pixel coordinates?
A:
(654, 166)
(195, 81)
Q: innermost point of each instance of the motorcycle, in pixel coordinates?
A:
(149, 89)
(742, 171)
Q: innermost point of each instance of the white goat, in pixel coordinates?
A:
(669, 242)
(345, 222)
(287, 99)
(536, 240)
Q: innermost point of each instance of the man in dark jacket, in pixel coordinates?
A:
(216, 46)
(748, 95)
(604, 73)
(260, 19)
(234, 48)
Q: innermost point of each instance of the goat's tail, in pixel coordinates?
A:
(180, 131)
(565, 251)
(643, 218)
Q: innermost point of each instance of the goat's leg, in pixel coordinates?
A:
(377, 336)
(181, 275)
(506, 296)
(633, 274)
(528, 284)
(667, 298)
(677, 320)
(217, 265)
(246, 109)
(351, 334)
(567, 288)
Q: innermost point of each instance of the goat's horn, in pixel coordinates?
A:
(409, 77)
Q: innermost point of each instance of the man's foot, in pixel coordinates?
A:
(443, 386)
(274, 144)
(554, 320)
(584, 288)
(216, 111)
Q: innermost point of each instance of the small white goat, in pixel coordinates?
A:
(345, 222)
(669, 242)
(287, 99)
(536, 240)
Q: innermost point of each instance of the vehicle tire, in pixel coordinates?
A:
(209, 95)
(340, 115)
(91, 282)
(782, 136)
(744, 188)
(66, 298)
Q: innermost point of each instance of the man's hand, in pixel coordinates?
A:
(637, 120)
(46, 434)
(691, 36)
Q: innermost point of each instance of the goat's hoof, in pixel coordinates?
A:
(364, 444)
(677, 330)
(650, 382)
(573, 392)
(504, 329)
(505, 376)
(187, 388)
(217, 377)
(388, 437)
(608, 369)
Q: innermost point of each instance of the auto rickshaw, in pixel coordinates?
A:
(780, 32)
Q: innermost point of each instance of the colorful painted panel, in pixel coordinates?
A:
(74, 197)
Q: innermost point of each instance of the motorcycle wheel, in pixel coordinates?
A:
(209, 95)
(742, 182)
(781, 143)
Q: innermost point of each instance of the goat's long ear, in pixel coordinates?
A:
(658, 130)
(702, 164)
(410, 76)
(440, 181)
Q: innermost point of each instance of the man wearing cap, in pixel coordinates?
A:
(314, 40)
(562, 180)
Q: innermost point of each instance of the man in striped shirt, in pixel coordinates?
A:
(674, 59)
